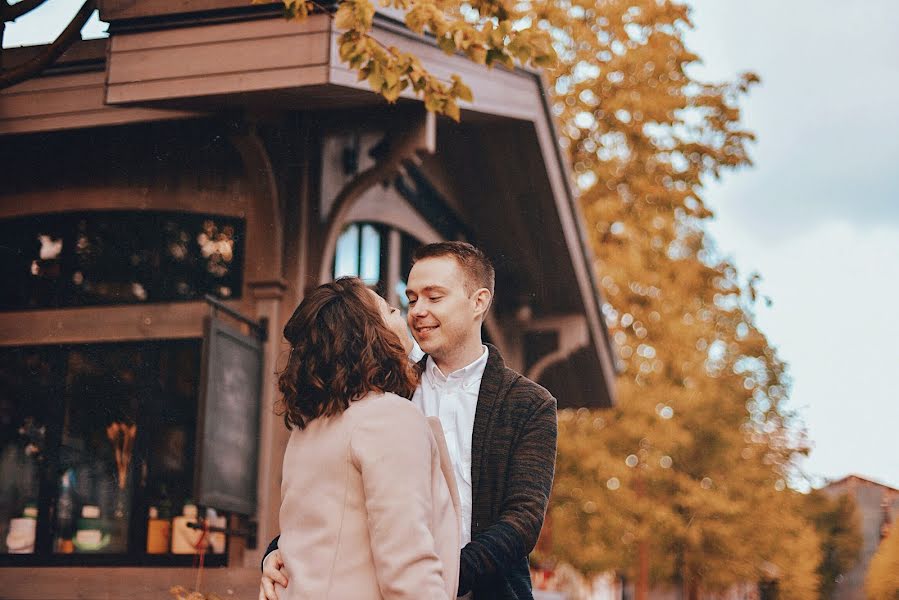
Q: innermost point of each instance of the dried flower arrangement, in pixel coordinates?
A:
(121, 436)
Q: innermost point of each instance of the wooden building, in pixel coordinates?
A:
(878, 510)
(211, 149)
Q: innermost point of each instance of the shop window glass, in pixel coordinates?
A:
(95, 439)
(27, 386)
(118, 257)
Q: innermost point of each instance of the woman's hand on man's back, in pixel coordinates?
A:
(272, 573)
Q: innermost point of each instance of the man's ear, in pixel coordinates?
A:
(482, 300)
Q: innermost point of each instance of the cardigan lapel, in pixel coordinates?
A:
(494, 385)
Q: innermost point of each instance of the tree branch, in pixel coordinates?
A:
(30, 68)
(11, 12)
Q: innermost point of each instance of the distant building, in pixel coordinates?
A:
(878, 506)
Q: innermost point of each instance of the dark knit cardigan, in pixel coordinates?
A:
(513, 453)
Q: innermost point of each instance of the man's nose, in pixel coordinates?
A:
(419, 310)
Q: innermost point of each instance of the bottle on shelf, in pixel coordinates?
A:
(22, 531)
(90, 533)
(65, 515)
(217, 539)
(159, 533)
(184, 539)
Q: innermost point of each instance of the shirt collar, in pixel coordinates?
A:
(469, 374)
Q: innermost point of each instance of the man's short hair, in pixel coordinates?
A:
(476, 267)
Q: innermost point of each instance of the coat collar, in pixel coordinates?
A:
(497, 378)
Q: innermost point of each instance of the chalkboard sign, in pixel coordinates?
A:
(228, 424)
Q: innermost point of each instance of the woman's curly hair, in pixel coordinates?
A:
(341, 349)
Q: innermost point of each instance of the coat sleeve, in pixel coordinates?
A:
(272, 546)
(529, 482)
(394, 452)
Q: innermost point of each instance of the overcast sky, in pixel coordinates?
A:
(818, 214)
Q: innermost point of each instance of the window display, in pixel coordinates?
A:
(118, 257)
(102, 434)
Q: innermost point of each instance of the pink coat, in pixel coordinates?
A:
(369, 506)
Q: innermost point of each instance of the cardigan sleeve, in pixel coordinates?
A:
(529, 482)
(272, 546)
(395, 454)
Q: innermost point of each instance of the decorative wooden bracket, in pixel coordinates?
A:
(573, 335)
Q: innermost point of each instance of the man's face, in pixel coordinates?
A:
(442, 316)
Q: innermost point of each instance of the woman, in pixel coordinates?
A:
(368, 505)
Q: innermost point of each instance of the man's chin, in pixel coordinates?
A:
(428, 346)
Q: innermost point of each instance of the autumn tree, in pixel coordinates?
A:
(882, 581)
(686, 480)
(839, 527)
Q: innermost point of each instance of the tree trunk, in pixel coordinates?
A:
(642, 587)
(642, 592)
(689, 586)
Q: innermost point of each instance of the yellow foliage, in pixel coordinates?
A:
(882, 581)
(694, 461)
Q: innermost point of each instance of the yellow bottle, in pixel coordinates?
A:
(159, 533)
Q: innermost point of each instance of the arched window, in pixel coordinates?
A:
(379, 255)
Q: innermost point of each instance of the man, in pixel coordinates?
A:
(500, 427)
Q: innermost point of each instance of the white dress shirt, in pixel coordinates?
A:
(453, 399)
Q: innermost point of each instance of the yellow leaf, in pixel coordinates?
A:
(415, 21)
(451, 109)
(463, 92)
(345, 17)
(446, 44)
(376, 80)
(477, 54)
(391, 93)
(433, 103)
(391, 77)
